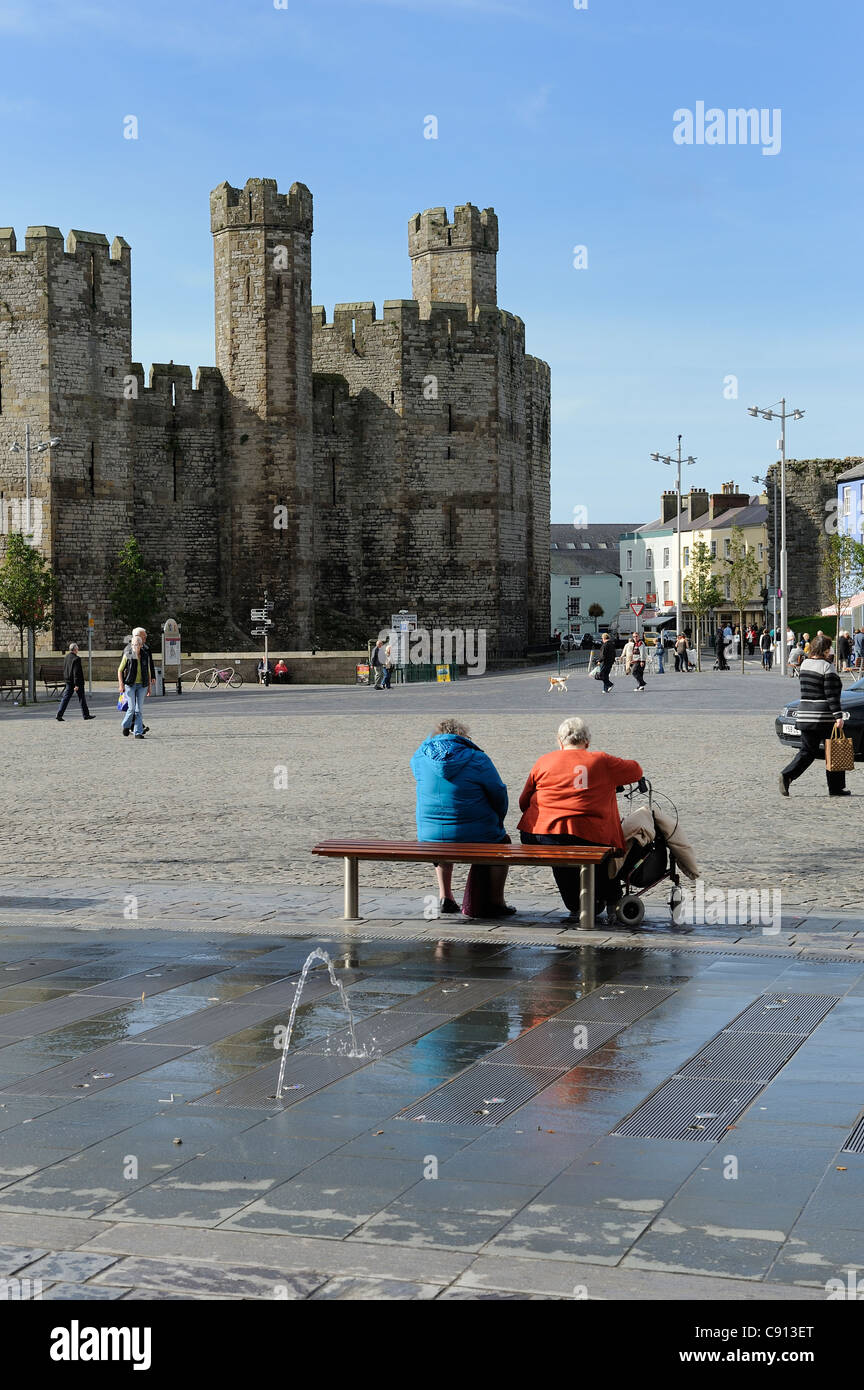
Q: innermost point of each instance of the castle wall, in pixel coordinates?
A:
(440, 474)
(177, 445)
(811, 496)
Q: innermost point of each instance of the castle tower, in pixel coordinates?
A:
(65, 346)
(454, 262)
(262, 251)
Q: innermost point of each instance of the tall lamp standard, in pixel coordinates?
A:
(782, 415)
(15, 448)
(763, 482)
(678, 460)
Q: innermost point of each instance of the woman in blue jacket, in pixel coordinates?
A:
(461, 797)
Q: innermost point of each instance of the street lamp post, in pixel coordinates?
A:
(15, 448)
(763, 482)
(678, 460)
(782, 415)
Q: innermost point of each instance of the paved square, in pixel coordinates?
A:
(492, 1137)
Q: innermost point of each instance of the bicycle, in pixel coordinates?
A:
(224, 676)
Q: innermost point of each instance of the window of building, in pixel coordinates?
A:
(761, 550)
(847, 501)
(713, 550)
(649, 559)
(665, 557)
(728, 589)
(630, 562)
(574, 581)
(727, 549)
(629, 590)
(665, 590)
(686, 555)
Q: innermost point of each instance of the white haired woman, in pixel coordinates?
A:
(569, 799)
(135, 676)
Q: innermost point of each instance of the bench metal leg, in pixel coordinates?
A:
(586, 897)
(352, 910)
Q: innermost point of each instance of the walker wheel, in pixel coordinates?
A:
(631, 910)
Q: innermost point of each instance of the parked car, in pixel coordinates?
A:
(852, 701)
(588, 641)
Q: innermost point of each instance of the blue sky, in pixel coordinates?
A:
(703, 260)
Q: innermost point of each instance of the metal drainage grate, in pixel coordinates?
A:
(778, 1012)
(304, 1075)
(737, 1056)
(686, 1108)
(379, 1034)
(452, 997)
(616, 1003)
(559, 1046)
(855, 1143)
(480, 1096)
(99, 1069)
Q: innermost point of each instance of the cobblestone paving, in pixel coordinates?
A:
(236, 786)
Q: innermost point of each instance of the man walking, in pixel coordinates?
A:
(605, 662)
(377, 663)
(634, 661)
(135, 676)
(858, 650)
(73, 675)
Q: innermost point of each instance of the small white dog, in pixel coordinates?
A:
(558, 683)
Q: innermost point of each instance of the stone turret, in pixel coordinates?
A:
(262, 250)
(454, 262)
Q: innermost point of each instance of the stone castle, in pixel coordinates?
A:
(351, 468)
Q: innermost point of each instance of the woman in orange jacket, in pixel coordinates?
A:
(569, 799)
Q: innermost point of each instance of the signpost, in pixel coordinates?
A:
(91, 623)
(402, 624)
(261, 616)
(638, 609)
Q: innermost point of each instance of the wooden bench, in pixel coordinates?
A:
(9, 686)
(451, 852)
(52, 678)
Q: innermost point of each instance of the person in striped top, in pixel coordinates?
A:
(819, 709)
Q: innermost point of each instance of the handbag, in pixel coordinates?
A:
(839, 752)
(597, 673)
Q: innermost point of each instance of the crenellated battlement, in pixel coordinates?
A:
(49, 240)
(470, 230)
(173, 382)
(259, 203)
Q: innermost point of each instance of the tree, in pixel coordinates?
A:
(595, 611)
(703, 590)
(745, 576)
(138, 593)
(27, 591)
(843, 566)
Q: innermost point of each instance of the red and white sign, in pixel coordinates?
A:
(638, 609)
